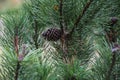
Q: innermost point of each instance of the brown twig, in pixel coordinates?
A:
(64, 47)
(16, 42)
(80, 16)
(111, 36)
(36, 34)
(63, 38)
(17, 71)
(111, 66)
(61, 15)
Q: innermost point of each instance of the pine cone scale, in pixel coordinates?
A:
(52, 34)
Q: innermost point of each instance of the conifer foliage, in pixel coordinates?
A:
(61, 40)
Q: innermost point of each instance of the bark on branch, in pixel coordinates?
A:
(16, 43)
(17, 71)
(36, 34)
(80, 16)
(111, 66)
(61, 14)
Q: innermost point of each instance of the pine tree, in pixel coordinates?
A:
(61, 40)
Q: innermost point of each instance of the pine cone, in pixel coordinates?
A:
(52, 34)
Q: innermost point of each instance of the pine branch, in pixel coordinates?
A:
(111, 35)
(80, 16)
(111, 66)
(61, 15)
(16, 40)
(36, 34)
(63, 39)
(112, 39)
(17, 70)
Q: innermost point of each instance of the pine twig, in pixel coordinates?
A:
(111, 66)
(80, 16)
(61, 15)
(36, 34)
(16, 42)
(112, 39)
(20, 58)
(64, 47)
(17, 71)
(63, 39)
